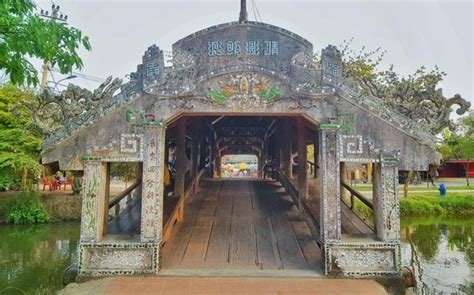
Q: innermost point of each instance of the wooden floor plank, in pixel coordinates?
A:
(241, 225)
(217, 255)
(174, 249)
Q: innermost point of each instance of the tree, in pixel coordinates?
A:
(24, 35)
(459, 145)
(417, 96)
(21, 140)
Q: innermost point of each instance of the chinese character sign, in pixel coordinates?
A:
(252, 48)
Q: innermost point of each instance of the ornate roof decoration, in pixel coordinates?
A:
(241, 65)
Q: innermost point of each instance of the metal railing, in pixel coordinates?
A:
(126, 193)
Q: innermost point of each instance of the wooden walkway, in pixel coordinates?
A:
(241, 225)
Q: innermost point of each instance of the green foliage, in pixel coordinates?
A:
(76, 185)
(271, 94)
(363, 67)
(426, 238)
(460, 143)
(128, 171)
(21, 140)
(422, 205)
(26, 209)
(218, 96)
(24, 35)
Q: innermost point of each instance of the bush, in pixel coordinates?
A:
(26, 208)
(434, 206)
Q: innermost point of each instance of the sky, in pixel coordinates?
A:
(413, 33)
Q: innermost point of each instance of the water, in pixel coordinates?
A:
(442, 254)
(33, 258)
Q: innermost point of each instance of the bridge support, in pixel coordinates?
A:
(364, 256)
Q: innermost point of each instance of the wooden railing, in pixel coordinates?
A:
(126, 193)
(357, 195)
(312, 167)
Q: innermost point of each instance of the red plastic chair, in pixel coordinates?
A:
(45, 182)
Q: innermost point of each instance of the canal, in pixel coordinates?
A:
(33, 258)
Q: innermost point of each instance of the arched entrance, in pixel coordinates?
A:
(228, 225)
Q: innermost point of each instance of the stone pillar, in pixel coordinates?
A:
(93, 201)
(330, 191)
(386, 200)
(152, 187)
(302, 160)
(180, 138)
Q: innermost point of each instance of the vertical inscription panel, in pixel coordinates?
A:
(152, 187)
(90, 201)
(390, 202)
(331, 204)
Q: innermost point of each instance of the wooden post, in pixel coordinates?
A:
(194, 148)
(218, 165)
(286, 154)
(212, 154)
(302, 160)
(180, 136)
(316, 159)
(140, 178)
(343, 177)
(277, 146)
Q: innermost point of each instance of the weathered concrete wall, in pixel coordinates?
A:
(106, 136)
(63, 206)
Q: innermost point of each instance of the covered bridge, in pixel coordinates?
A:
(239, 88)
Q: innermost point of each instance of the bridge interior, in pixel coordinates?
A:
(267, 223)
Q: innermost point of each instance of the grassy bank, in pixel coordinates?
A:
(24, 207)
(428, 204)
(411, 188)
(459, 204)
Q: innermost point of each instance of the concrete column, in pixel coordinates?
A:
(302, 160)
(180, 136)
(152, 187)
(330, 191)
(93, 201)
(386, 200)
